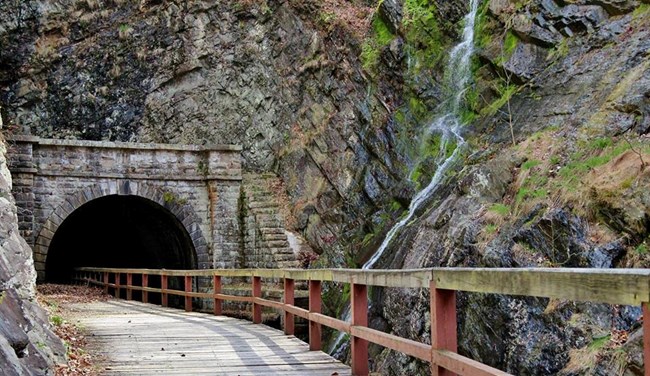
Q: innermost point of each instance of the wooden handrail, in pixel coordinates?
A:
(613, 286)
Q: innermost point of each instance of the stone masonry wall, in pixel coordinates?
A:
(199, 185)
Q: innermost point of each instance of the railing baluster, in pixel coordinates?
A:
(188, 288)
(163, 294)
(443, 324)
(129, 283)
(257, 293)
(117, 285)
(359, 350)
(646, 338)
(314, 307)
(615, 286)
(289, 299)
(216, 287)
(145, 284)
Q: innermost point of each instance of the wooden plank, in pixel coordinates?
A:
(413, 278)
(406, 346)
(257, 294)
(187, 283)
(268, 303)
(300, 312)
(289, 299)
(141, 339)
(314, 307)
(614, 286)
(216, 290)
(340, 325)
(462, 365)
(443, 324)
(359, 315)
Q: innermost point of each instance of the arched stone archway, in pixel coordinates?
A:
(199, 185)
(136, 192)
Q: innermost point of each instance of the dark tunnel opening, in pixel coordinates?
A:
(119, 232)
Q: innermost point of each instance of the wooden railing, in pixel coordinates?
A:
(614, 286)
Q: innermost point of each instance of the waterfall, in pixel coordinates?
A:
(447, 123)
(457, 76)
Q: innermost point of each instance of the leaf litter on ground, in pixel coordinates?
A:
(54, 298)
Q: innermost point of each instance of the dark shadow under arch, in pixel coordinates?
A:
(121, 231)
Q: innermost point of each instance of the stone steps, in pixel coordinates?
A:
(265, 224)
(268, 231)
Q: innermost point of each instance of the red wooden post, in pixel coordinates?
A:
(105, 282)
(314, 307)
(163, 287)
(257, 293)
(129, 283)
(188, 288)
(216, 284)
(289, 287)
(359, 348)
(117, 285)
(646, 337)
(145, 284)
(443, 324)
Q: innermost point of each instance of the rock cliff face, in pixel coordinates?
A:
(27, 346)
(335, 98)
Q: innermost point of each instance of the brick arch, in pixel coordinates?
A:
(165, 198)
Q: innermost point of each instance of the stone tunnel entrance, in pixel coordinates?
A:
(119, 232)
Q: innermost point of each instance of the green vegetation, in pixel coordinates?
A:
(371, 49)
(505, 92)
(600, 143)
(326, 18)
(429, 152)
(383, 34)
(641, 11)
(642, 249)
(580, 162)
(482, 27)
(56, 320)
(423, 34)
(600, 342)
(395, 205)
(491, 228)
(509, 44)
(417, 108)
(170, 198)
(500, 209)
(561, 50)
(202, 168)
(530, 164)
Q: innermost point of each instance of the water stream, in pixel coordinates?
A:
(447, 124)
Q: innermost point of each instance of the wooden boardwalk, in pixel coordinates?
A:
(143, 339)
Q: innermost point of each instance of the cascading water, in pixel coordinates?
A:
(447, 123)
(457, 75)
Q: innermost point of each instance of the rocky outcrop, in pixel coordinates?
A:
(339, 113)
(27, 345)
(568, 83)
